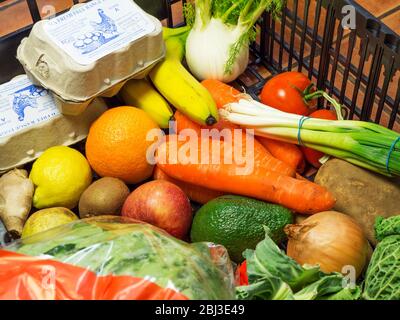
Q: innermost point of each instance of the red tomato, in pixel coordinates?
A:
(311, 155)
(242, 274)
(324, 114)
(286, 92)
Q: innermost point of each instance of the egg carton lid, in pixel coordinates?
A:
(30, 122)
(91, 48)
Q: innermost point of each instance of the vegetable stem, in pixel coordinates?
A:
(246, 10)
(323, 94)
(203, 12)
(226, 15)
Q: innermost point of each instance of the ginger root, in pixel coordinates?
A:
(16, 193)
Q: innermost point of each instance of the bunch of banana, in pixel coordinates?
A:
(178, 86)
(141, 94)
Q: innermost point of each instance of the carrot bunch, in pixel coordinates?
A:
(257, 181)
(271, 176)
(286, 152)
(194, 192)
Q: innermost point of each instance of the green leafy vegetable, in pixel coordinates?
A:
(347, 293)
(330, 287)
(382, 281)
(270, 288)
(274, 276)
(387, 227)
(279, 266)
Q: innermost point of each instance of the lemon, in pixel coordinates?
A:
(47, 219)
(60, 176)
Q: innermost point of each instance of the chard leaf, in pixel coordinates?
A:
(344, 294)
(275, 276)
(271, 288)
(267, 260)
(326, 286)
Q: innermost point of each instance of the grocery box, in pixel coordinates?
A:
(310, 213)
(91, 51)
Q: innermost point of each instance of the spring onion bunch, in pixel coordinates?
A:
(365, 144)
(218, 44)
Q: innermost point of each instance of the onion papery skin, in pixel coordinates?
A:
(331, 240)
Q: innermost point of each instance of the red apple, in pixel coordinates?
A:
(162, 204)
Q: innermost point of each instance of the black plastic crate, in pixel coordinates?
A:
(359, 67)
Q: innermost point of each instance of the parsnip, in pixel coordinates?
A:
(16, 192)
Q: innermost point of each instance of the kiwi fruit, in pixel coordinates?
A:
(105, 196)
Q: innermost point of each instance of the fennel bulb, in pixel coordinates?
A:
(218, 44)
(208, 51)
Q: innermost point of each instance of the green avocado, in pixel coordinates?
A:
(238, 223)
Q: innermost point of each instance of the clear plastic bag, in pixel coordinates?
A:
(113, 258)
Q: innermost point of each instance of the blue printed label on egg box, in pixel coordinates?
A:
(24, 105)
(91, 31)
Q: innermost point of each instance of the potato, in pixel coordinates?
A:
(361, 194)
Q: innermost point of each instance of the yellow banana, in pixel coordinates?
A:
(141, 94)
(180, 88)
(181, 32)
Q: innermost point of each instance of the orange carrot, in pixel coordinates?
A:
(194, 192)
(257, 182)
(221, 92)
(261, 154)
(300, 177)
(183, 122)
(287, 152)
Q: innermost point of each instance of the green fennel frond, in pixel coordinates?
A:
(228, 10)
(251, 10)
(234, 51)
(189, 13)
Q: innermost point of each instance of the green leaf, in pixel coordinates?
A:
(269, 261)
(326, 286)
(189, 13)
(387, 227)
(382, 280)
(245, 14)
(203, 10)
(345, 294)
(275, 276)
(271, 288)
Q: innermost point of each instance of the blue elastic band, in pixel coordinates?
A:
(301, 122)
(390, 154)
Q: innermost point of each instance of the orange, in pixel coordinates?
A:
(116, 145)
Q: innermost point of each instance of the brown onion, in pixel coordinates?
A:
(330, 239)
